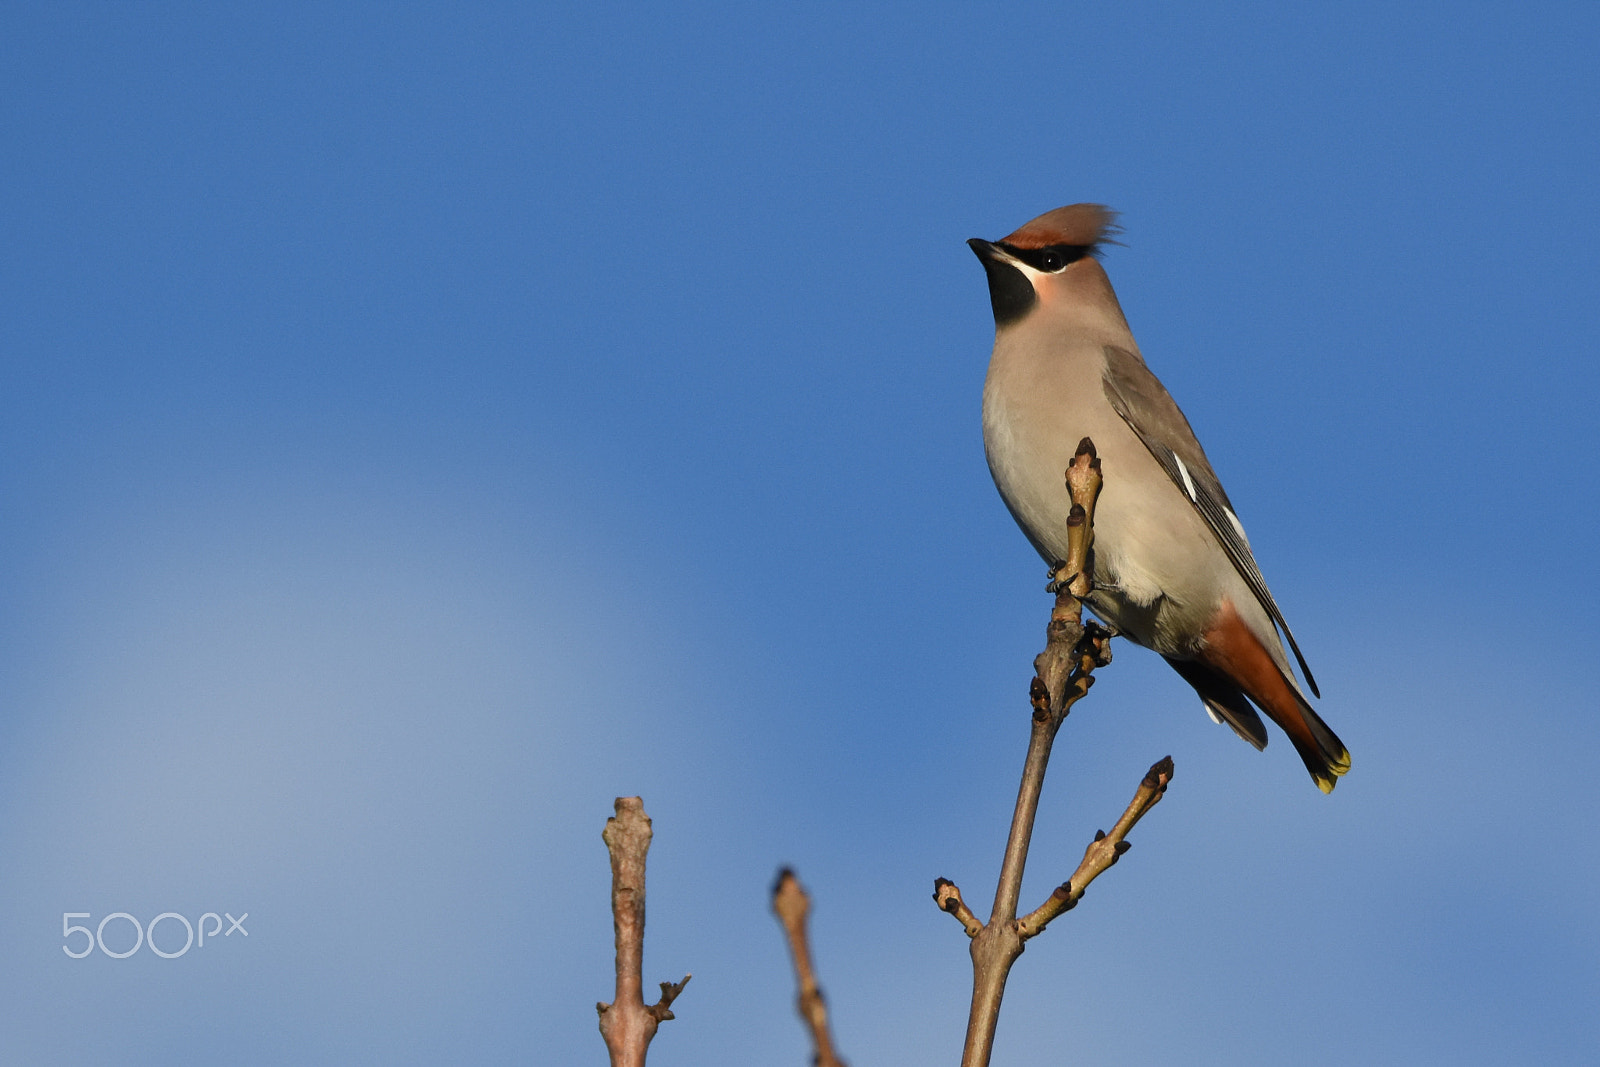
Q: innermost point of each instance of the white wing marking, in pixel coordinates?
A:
(1237, 525)
(1188, 482)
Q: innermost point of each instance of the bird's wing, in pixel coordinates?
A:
(1152, 414)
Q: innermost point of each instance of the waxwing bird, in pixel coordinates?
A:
(1172, 567)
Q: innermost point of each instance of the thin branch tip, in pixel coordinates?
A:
(790, 901)
(792, 905)
(947, 895)
(1159, 775)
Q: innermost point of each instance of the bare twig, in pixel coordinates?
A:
(1102, 852)
(1063, 673)
(789, 900)
(627, 1024)
(947, 895)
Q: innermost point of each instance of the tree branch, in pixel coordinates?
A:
(627, 1024)
(792, 904)
(1063, 673)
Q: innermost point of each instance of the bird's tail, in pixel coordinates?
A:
(1233, 651)
(1320, 748)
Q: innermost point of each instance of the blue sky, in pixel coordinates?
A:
(421, 424)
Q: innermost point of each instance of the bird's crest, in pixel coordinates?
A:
(1084, 225)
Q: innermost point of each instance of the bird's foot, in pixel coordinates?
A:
(1057, 580)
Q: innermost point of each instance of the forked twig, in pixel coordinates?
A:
(1063, 673)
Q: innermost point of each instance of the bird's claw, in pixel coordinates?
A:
(1059, 583)
(1056, 583)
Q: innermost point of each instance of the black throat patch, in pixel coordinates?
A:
(1010, 293)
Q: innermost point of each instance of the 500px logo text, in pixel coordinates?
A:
(146, 934)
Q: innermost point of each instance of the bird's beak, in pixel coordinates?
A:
(985, 250)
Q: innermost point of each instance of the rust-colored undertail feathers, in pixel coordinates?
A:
(1236, 653)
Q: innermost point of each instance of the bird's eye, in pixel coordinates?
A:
(1051, 261)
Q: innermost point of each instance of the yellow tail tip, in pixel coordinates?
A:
(1338, 766)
